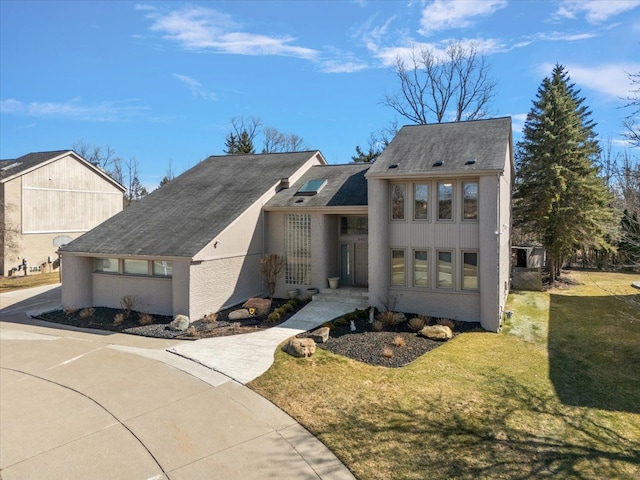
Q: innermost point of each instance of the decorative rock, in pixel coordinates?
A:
(239, 314)
(300, 347)
(321, 335)
(180, 323)
(262, 305)
(399, 318)
(436, 332)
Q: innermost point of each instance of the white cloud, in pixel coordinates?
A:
(568, 37)
(200, 28)
(101, 112)
(445, 15)
(610, 79)
(195, 87)
(595, 11)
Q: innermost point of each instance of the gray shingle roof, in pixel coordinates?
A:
(26, 162)
(183, 216)
(346, 186)
(415, 149)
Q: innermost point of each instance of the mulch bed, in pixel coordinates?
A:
(102, 319)
(394, 347)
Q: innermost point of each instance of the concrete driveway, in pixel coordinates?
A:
(78, 404)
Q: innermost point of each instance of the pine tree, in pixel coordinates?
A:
(558, 195)
(245, 144)
(231, 142)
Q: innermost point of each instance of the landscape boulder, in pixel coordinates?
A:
(320, 335)
(300, 347)
(239, 314)
(262, 305)
(436, 332)
(180, 323)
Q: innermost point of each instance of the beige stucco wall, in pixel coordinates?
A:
(64, 197)
(76, 281)
(152, 294)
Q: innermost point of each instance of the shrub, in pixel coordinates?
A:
(272, 268)
(145, 319)
(387, 352)
(399, 342)
(294, 302)
(192, 331)
(118, 319)
(418, 323)
(211, 317)
(273, 317)
(87, 312)
(445, 322)
(70, 310)
(286, 308)
(341, 322)
(235, 327)
(377, 326)
(387, 318)
(127, 303)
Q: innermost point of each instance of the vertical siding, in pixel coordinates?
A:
(489, 260)
(379, 238)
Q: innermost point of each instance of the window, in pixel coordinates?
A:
(354, 225)
(297, 248)
(136, 267)
(397, 267)
(420, 268)
(445, 201)
(421, 201)
(445, 270)
(105, 265)
(162, 268)
(311, 187)
(398, 192)
(469, 200)
(470, 270)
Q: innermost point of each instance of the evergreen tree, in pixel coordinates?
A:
(245, 144)
(231, 142)
(629, 245)
(558, 195)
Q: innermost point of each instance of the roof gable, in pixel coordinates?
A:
(446, 148)
(182, 217)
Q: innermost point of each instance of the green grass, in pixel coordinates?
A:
(18, 282)
(554, 395)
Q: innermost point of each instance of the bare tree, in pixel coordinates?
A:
(631, 122)
(276, 141)
(169, 175)
(249, 125)
(102, 157)
(376, 144)
(135, 189)
(434, 83)
(9, 232)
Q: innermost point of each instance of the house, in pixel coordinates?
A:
(46, 200)
(426, 227)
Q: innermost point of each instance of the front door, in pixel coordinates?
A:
(361, 265)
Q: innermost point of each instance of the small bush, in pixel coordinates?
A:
(273, 317)
(118, 319)
(418, 323)
(128, 302)
(145, 319)
(286, 308)
(87, 312)
(377, 326)
(387, 352)
(340, 322)
(399, 342)
(211, 317)
(294, 302)
(192, 331)
(235, 327)
(70, 310)
(387, 318)
(445, 322)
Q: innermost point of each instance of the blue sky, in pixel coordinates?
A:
(160, 81)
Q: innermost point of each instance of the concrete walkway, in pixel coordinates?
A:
(246, 357)
(92, 404)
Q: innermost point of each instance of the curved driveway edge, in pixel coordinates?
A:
(247, 356)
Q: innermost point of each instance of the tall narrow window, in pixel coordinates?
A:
(445, 201)
(445, 270)
(470, 270)
(297, 248)
(397, 267)
(420, 268)
(421, 201)
(398, 194)
(470, 200)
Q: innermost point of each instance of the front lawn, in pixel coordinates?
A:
(18, 282)
(554, 395)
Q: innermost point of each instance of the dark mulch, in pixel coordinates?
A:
(365, 345)
(103, 318)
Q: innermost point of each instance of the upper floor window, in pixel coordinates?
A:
(469, 200)
(445, 201)
(354, 225)
(421, 201)
(398, 195)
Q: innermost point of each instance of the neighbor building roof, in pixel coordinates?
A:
(346, 186)
(442, 148)
(9, 168)
(183, 216)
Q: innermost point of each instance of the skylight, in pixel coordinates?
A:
(9, 167)
(311, 187)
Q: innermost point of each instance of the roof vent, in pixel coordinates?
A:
(284, 183)
(393, 165)
(470, 162)
(300, 200)
(439, 163)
